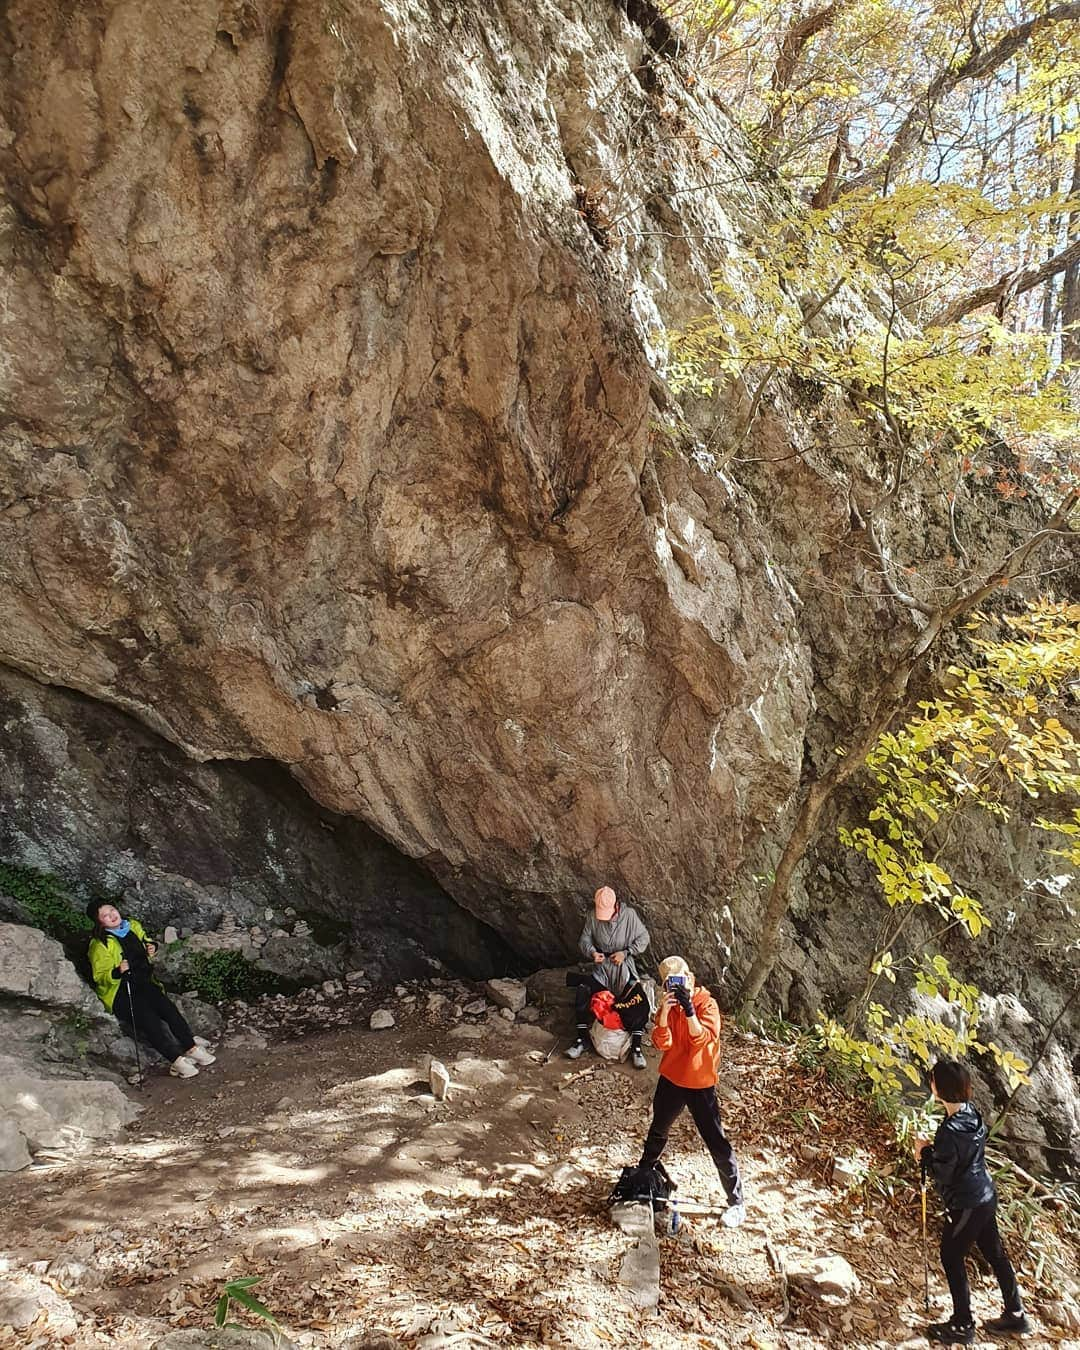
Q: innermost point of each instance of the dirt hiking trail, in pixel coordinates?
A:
(376, 1215)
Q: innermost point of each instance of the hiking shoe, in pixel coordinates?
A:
(182, 1067)
(576, 1050)
(949, 1333)
(206, 1045)
(733, 1216)
(637, 1057)
(1009, 1324)
(200, 1056)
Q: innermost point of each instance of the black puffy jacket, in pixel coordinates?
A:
(958, 1163)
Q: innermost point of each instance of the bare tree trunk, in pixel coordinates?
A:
(805, 824)
(1070, 290)
(891, 701)
(1049, 304)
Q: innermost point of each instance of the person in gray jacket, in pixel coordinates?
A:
(613, 935)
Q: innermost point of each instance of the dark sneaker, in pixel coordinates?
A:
(576, 1050)
(637, 1057)
(1009, 1324)
(948, 1333)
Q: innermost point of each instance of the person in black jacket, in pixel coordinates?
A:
(958, 1164)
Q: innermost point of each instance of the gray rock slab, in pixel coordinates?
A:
(223, 1338)
(24, 1298)
(61, 1112)
(14, 1154)
(510, 994)
(828, 1278)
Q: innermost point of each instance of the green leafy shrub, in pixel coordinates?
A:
(46, 902)
(239, 1292)
(217, 976)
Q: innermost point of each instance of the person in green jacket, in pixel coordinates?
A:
(120, 965)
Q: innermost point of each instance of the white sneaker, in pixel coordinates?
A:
(733, 1216)
(576, 1050)
(182, 1067)
(200, 1056)
(201, 1040)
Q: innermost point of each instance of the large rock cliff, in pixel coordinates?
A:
(333, 441)
(330, 438)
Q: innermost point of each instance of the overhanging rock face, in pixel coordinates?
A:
(329, 437)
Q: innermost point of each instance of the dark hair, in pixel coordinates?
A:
(92, 914)
(952, 1079)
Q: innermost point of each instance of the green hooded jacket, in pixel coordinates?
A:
(105, 955)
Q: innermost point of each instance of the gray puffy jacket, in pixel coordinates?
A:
(624, 932)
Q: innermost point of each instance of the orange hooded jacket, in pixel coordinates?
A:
(687, 1062)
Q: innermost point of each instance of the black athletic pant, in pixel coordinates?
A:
(967, 1228)
(157, 1019)
(589, 986)
(668, 1103)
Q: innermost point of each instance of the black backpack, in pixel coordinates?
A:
(642, 1185)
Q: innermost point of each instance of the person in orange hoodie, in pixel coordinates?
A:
(688, 1032)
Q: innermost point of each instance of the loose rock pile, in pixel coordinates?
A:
(470, 1011)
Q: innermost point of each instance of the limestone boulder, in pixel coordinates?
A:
(829, 1279)
(223, 1338)
(36, 967)
(61, 1114)
(26, 1301)
(14, 1153)
(509, 994)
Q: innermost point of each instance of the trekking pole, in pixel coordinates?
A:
(925, 1260)
(135, 1036)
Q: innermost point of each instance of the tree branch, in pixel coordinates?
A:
(1007, 287)
(792, 46)
(980, 63)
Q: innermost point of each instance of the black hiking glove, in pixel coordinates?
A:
(683, 996)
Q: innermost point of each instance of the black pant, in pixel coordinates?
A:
(668, 1103)
(967, 1228)
(157, 1019)
(589, 986)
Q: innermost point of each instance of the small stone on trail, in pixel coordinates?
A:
(400, 990)
(329, 987)
(846, 1172)
(170, 936)
(382, 1019)
(355, 977)
(475, 1008)
(439, 1078)
(507, 1014)
(529, 1013)
(465, 1032)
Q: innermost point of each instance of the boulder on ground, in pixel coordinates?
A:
(510, 994)
(35, 966)
(203, 1018)
(382, 1019)
(14, 1154)
(223, 1338)
(61, 1112)
(828, 1278)
(24, 1299)
(549, 990)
